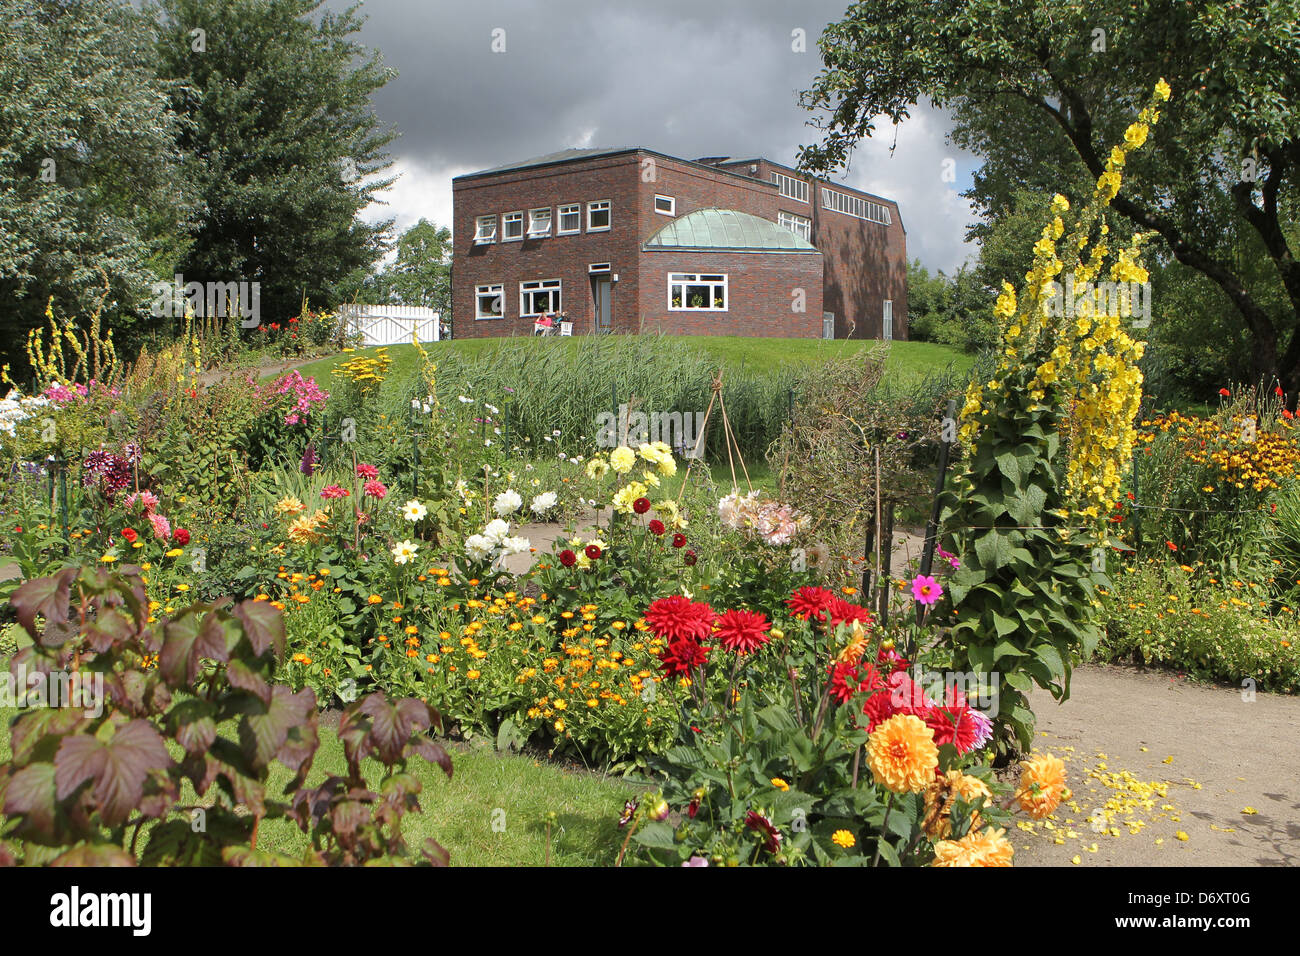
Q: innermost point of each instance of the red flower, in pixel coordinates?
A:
(1287, 413)
(592, 551)
(181, 536)
(1277, 390)
(657, 526)
(367, 471)
(842, 612)
(690, 559)
(18, 529)
(899, 695)
(677, 617)
(953, 723)
(742, 631)
(771, 835)
(568, 558)
(129, 534)
(682, 656)
(679, 540)
(844, 681)
(1171, 546)
(806, 603)
(641, 505)
(1224, 392)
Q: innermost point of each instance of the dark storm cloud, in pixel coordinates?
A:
(701, 78)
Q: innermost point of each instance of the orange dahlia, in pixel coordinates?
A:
(1042, 785)
(901, 754)
(939, 797)
(985, 848)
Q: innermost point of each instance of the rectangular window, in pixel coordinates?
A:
(539, 298)
(598, 267)
(598, 215)
(666, 205)
(692, 292)
(489, 301)
(855, 206)
(887, 321)
(570, 219)
(539, 222)
(790, 187)
(800, 225)
(486, 230)
(512, 226)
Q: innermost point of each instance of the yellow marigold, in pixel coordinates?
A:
(901, 754)
(939, 797)
(984, 848)
(289, 505)
(1042, 785)
(780, 784)
(843, 838)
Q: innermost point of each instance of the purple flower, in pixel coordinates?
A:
(697, 861)
(308, 464)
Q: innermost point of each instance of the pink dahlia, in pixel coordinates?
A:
(374, 488)
(162, 529)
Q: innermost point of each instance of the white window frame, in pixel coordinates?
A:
(534, 215)
(506, 220)
(887, 321)
(714, 280)
(600, 205)
(791, 187)
(499, 288)
(598, 268)
(480, 237)
(800, 225)
(672, 205)
(856, 206)
(554, 286)
(572, 209)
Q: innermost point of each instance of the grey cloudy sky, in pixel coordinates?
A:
(689, 78)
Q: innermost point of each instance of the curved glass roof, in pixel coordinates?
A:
(727, 229)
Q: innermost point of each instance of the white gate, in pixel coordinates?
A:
(392, 324)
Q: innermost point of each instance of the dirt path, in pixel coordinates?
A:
(278, 367)
(1215, 756)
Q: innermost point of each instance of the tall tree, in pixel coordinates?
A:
(1038, 89)
(289, 145)
(421, 273)
(93, 204)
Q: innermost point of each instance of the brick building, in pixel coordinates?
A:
(629, 240)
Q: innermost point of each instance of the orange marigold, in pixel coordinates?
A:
(1042, 785)
(901, 754)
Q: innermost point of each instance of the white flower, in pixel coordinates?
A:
(543, 503)
(556, 433)
(496, 530)
(491, 408)
(462, 489)
(478, 547)
(404, 551)
(507, 503)
(515, 545)
(414, 511)
(465, 399)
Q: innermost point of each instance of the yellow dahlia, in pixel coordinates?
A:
(986, 848)
(901, 754)
(1042, 785)
(939, 797)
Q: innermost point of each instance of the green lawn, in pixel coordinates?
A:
(459, 813)
(737, 354)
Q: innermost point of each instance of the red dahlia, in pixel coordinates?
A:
(679, 540)
(682, 656)
(810, 602)
(181, 536)
(641, 505)
(657, 526)
(568, 558)
(953, 723)
(689, 559)
(592, 551)
(842, 612)
(676, 617)
(742, 631)
(129, 534)
(771, 835)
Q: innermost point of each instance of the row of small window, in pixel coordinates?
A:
(797, 189)
(687, 292)
(539, 222)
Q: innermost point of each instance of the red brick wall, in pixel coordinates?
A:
(759, 294)
(865, 262)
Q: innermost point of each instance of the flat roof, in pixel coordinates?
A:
(576, 155)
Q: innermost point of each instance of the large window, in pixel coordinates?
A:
(512, 226)
(887, 321)
(489, 301)
(791, 188)
(485, 230)
(693, 292)
(539, 222)
(598, 215)
(539, 298)
(570, 219)
(855, 206)
(800, 225)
